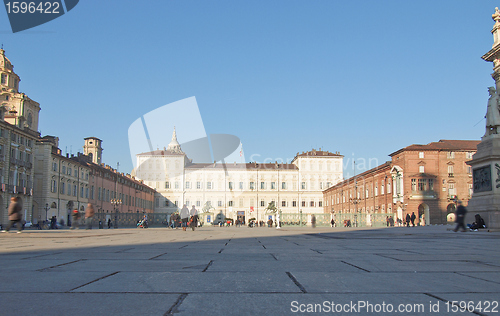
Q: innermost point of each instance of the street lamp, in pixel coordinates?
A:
(46, 210)
(116, 203)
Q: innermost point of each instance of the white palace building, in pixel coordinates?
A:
(238, 190)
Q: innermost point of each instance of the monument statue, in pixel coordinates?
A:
(492, 113)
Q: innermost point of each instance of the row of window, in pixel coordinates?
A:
(69, 171)
(17, 178)
(421, 169)
(449, 155)
(68, 189)
(18, 154)
(252, 185)
(263, 203)
(344, 197)
(21, 140)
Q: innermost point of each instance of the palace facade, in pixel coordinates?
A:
(238, 190)
(18, 133)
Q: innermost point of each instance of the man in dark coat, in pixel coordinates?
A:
(412, 218)
(460, 216)
(15, 215)
(408, 218)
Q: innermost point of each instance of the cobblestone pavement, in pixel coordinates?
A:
(244, 271)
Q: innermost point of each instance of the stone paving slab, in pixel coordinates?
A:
(292, 304)
(398, 282)
(191, 282)
(40, 281)
(131, 265)
(242, 271)
(63, 304)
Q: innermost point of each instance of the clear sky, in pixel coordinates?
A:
(364, 78)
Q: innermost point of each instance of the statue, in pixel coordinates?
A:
(207, 208)
(271, 208)
(493, 112)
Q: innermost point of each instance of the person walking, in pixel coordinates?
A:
(15, 215)
(109, 223)
(194, 217)
(460, 217)
(408, 218)
(412, 218)
(76, 217)
(313, 221)
(89, 213)
(184, 217)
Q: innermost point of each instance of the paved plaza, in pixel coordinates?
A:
(248, 271)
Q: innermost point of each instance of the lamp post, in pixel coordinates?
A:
(46, 210)
(116, 203)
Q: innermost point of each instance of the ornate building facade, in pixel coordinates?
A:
(18, 133)
(67, 182)
(239, 190)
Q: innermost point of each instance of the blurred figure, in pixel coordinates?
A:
(184, 217)
(89, 213)
(76, 217)
(412, 218)
(15, 216)
(194, 217)
(460, 216)
(109, 223)
(313, 221)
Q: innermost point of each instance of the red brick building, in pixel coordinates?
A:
(422, 179)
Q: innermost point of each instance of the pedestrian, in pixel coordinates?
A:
(53, 222)
(408, 218)
(412, 218)
(313, 221)
(460, 217)
(184, 217)
(194, 217)
(332, 222)
(76, 217)
(109, 223)
(15, 216)
(89, 213)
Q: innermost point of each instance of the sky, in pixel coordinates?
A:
(363, 78)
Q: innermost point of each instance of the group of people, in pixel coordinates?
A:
(460, 213)
(185, 218)
(410, 218)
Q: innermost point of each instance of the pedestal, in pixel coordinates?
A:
(485, 164)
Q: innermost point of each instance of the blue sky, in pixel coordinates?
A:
(364, 78)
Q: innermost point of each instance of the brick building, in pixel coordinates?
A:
(422, 179)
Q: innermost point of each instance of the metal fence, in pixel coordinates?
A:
(131, 219)
(341, 220)
(287, 219)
